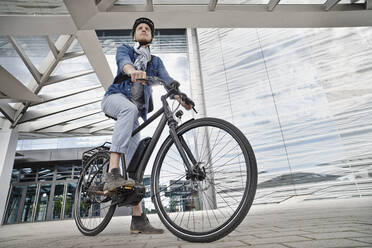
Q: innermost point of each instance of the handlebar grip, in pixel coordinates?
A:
(175, 84)
(187, 100)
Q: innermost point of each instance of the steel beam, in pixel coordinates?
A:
(35, 114)
(81, 11)
(72, 55)
(149, 5)
(105, 124)
(67, 76)
(46, 68)
(52, 47)
(52, 97)
(42, 124)
(14, 89)
(30, 66)
(74, 126)
(93, 50)
(105, 5)
(228, 16)
(7, 111)
(330, 4)
(133, 8)
(272, 4)
(184, 16)
(212, 5)
(36, 25)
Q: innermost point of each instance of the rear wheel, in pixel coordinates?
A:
(93, 211)
(207, 207)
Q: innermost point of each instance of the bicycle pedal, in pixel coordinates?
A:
(108, 193)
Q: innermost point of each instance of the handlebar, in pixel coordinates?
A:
(173, 89)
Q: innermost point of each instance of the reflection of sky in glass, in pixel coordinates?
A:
(301, 96)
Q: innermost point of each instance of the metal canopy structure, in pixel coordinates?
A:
(75, 22)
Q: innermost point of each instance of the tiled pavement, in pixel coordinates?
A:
(295, 223)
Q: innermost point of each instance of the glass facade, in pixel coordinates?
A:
(42, 191)
(303, 99)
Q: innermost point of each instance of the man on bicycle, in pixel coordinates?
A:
(126, 100)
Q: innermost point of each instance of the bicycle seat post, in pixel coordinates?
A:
(123, 166)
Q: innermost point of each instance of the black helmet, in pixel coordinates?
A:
(144, 20)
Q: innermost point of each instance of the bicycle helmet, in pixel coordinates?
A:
(144, 20)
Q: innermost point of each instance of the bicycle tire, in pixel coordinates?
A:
(247, 197)
(104, 156)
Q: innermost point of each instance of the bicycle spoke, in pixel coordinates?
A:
(215, 191)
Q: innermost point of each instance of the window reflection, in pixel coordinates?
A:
(63, 172)
(13, 205)
(309, 127)
(27, 175)
(29, 203)
(58, 201)
(70, 197)
(42, 206)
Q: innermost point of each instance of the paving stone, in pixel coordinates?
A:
(266, 226)
(327, 243)
(269, 246)
(273, 240)
(331, 235)
(280, 233)
(367, 239)
(216, 244)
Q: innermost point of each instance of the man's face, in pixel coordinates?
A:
(143, 33)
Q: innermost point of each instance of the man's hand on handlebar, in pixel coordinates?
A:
(185, 105)
(173, 89)
(135, 75)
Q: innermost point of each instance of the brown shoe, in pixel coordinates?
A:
(114, 180)
(141, 224)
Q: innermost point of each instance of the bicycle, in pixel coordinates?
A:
(203, 180)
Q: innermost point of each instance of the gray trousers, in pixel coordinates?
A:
(126, 113)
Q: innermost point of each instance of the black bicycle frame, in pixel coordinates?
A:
(181, 146)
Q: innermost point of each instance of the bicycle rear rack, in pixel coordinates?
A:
(88, 154)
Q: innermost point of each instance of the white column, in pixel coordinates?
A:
(8, 145)
(208, 198)
(196, 80)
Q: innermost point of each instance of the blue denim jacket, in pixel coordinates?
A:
(125, 55)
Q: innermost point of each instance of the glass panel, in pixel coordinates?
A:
(124, 2)
(225, 66)
(42, 206)
(50, 7)
(36, 48)
(302, 2)
(64, 172)
(46, 174)
(58, 201)
(166, 41)
(27, 175)
(77, 170)
(15, 175)
(29, 203)
(184, 2)
(308, 125)
(11, 61)
(13, 205)
(243, 1)
(70, 197)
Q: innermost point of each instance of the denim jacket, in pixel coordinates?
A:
(125, 55)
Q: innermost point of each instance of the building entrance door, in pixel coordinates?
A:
(28, 207)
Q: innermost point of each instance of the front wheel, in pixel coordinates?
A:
(210, 206)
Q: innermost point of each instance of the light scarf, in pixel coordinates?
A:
(144, 56)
